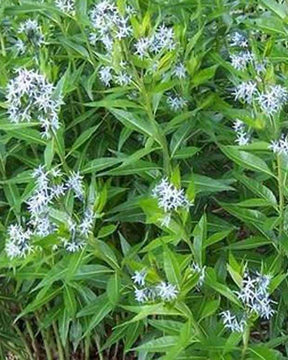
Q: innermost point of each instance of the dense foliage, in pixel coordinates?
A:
(143, 187)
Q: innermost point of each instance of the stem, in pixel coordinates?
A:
(33, 342)
(87, 348)
(166, 156)
(281, 195)
(45, 341)
(22, 337)
(58, 341)
(246, 336)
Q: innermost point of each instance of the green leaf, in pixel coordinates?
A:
(113, 289)
(171, 267)
(106, 230)
(246, 160)
(161, 344)
(86, 135)
(199, 234)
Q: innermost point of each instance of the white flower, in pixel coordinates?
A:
(30, 96)
(20, 46)
(73, 246)
(176, 102)
(242, 138)
(142, 47)
(67, 6)
(273, 100)
(139, 277)
(33, 32)
(166, 291)
(179, 71)
(18, 242)
(201, 271)
(123, 78)
(230, 322)
(246, 91)
(86, 226)
(105, 75)
(241, 60)
(255, 296)
(75, 183)
(109, 24)
(238, 39)
(163, 39)
(141, 295)
(169, 198)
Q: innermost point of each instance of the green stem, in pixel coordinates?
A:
(281, 194)
(246, 336)
(162, 138)
(58, 342)
(45, 340)
(22, 337)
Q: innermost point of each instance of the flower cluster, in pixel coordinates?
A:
(49, 189)
(232, 323)
(201, 271)
(280, 146)
(163, 39)
(273, 97)
(255, 297)
(270, 101)
(163, 291)
(107, 74)
(30, 96)
(109, 24)
(67, 6)
(176, 102)
(18, 243)
(32, 31)
(242, 138)
(169, 197)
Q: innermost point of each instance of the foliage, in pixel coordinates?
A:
(144, 162)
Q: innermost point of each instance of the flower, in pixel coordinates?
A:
(18, 243)
(176, 102)
(280, 146)
(20, 46)
(238, 39)
(33, 32)
(246, 91)
(169, 198)
(273, 100)
(75, 183)
(30, 96)
(87, 223)
(242, 137)
(241, 60)
(139, 277)
(105, 75)
(142, 47)
(179, 71)
(67, 6)
(255, 296)
(166, 291)
(230, 322)
(141, 295)
(201, 271)
(162, 39)
(123, 78)
(109, 24)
